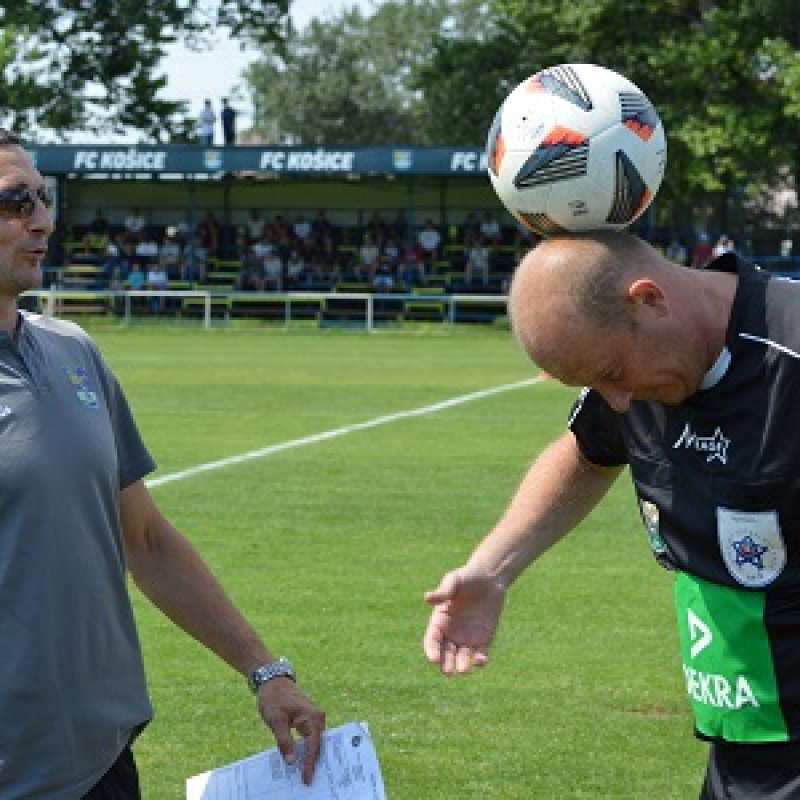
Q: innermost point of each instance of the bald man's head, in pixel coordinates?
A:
(573, 284)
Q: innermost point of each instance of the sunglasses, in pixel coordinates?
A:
(20, 201)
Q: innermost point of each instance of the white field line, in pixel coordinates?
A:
(336, 432)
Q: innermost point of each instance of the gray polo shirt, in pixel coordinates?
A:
(72, 683)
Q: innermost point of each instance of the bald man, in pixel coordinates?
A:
(692, 380)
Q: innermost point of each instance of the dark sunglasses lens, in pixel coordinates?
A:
(21, 201)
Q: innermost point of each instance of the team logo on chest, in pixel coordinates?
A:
(751, 544)
(81, 382)
(715, 447)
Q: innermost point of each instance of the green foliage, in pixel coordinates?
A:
(72, 66)
(724, 77)
(350, 79)
(328, 548)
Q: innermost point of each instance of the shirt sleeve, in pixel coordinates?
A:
(135, 460)
(133, 457)
(598, 431)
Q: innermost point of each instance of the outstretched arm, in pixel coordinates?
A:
(558, 491)
(171, 573)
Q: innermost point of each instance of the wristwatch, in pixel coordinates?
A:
(275, 669)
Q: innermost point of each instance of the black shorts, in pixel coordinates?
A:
(753, 772)
(121, 782)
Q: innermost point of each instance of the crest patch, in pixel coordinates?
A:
(79, 378)
(752, 546)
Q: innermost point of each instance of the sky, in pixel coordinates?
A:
(214, 75)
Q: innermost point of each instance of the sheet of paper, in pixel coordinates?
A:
(348, 769)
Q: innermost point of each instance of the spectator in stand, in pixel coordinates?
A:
(316, 276)
(309, 249)
(470, 228)
(255, 226)
(490, 230)
(321, 227)
(524, 237)
(283, 241)
(117, 278)
(301, 229)
(675, 251)
(208, 232)
(384, 276)
(724, 245)
(702, 252)
(377, 228)
(430, 241)
(135, 222)
(295, 269)
(411, 271)
(146, 249)
(98, 234)
(476, 267)
(263, 247)
(273, 272)
(196, 260)
(206, 123)
(156, 278)
(390, 252)
(117, 263)
(399, 227)
(367, 258)
(171, 256)
(136, 277)
(228, 123)
(251, 276)
(330, 259)
(185, 231)
(281, 226)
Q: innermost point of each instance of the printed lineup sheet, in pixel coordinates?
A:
(347, 769)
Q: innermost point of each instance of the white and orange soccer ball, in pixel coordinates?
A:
(576, 147)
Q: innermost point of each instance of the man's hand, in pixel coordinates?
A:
(466, 612)
(285, 708)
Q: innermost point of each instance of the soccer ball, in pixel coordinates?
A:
(576, 147)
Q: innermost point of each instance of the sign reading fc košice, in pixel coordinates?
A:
(183, 159)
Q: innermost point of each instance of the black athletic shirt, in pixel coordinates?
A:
(734, 446)
(718, 483)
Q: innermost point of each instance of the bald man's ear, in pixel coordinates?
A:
(646, 292)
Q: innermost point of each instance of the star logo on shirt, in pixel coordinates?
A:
(718, 447)
(715, 447)
(749, 551)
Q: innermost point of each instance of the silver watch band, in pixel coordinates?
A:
(278, 668)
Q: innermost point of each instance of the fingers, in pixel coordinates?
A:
(313, 744)
(432, 642)
(451, 656)
(459, 659)
(311, 731)
(286, 743)
(287, 709)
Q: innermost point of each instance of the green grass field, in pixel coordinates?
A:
(328, 547)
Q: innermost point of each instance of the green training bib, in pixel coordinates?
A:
(727, 662)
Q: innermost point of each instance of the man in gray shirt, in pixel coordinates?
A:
(74, 516)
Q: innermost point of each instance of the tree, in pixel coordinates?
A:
(71, 66)
(725, 78)
(350, 79)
